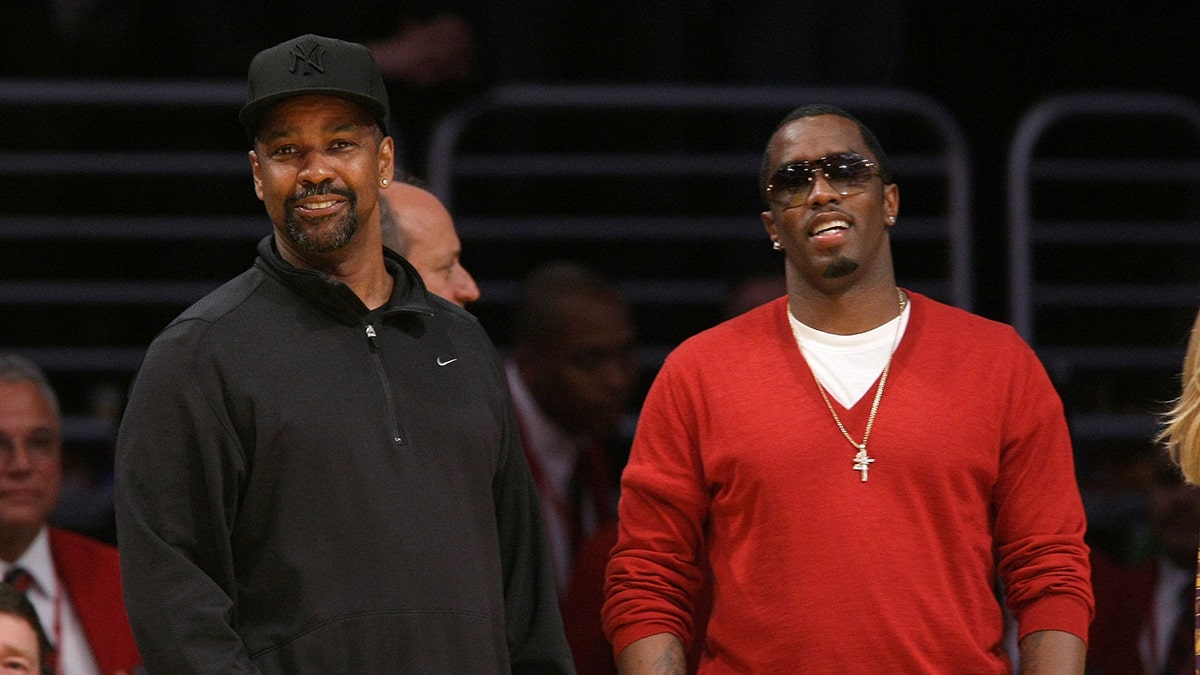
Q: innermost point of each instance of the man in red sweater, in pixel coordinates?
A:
(74, 582)
(857, 463)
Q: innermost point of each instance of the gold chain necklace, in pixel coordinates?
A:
(862, 461)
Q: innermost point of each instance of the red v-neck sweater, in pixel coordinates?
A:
(817, 571)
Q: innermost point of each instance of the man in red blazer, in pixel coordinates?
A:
(74, 582)
(1145, 621)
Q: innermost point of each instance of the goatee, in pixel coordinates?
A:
(839, 268)
(312, 237)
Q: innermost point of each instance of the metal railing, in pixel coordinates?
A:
(450, 161)
(1036, 282)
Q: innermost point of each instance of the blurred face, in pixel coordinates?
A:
(585, 377)
(18, 646)
(30, 464)
(830, 240)
(317, 164)
(430, 243)
(1175, 516)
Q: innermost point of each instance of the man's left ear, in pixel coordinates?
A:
(387, 157)
(891, 203)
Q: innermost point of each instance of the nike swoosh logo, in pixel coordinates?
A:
(447, 362)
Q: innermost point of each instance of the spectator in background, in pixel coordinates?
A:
(24, 647)
(73, 581)
(572, 374)
(1145, 613)
(753, 290)
(1181, 435)
(1182, 432)
(418, 227)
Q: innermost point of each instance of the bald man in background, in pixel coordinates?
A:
(418, 227)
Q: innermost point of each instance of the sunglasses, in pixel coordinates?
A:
(848, 173)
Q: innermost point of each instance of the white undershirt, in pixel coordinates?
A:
(847, 365)
(74, 654)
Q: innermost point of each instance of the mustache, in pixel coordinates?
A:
(318, 190)
(814, 212)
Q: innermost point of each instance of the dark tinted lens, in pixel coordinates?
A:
(792, 177)
(847, 168)
(846, 172)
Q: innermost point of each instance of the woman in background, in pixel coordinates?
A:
(1182, 432)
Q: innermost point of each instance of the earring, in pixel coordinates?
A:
(776, 245)
(891, 220)
(384, 182)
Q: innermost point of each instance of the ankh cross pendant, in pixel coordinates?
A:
(862, 463)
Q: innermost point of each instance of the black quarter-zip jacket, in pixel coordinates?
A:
(305, 486)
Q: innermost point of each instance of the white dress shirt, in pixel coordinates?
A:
(553, 456)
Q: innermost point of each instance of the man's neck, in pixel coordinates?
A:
(360, 267)
(14, 544)
(848, 313)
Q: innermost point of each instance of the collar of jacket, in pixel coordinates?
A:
(334, 297)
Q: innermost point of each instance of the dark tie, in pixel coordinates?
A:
(19, 578)
(590, 479)
(1181, 659)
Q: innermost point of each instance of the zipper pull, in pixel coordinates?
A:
(371, 338)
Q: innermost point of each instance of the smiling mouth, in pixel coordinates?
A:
(316, 206)
(830, 227)
(319, 201)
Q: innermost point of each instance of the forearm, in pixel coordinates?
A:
(659, 654)
(1052, 652)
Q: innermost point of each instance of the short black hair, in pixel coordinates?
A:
(813, 110)
(536, 318)
(14, 603)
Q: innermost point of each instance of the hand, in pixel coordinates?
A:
(428, 53)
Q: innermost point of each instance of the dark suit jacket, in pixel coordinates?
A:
(91, 573)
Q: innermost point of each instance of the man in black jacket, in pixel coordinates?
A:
(319, 468)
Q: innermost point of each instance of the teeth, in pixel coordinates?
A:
(319, 205)
(833, 225)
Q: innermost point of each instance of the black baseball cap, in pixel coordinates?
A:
(312, 64)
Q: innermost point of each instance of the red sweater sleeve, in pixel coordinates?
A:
(655, 570)
(1040, 521)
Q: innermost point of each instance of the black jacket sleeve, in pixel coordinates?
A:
(536, 641)
(178, 469)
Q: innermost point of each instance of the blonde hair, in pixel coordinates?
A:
(1181, 435)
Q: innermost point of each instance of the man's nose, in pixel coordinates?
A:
(465, 289)
(821, 191)
(315, 168)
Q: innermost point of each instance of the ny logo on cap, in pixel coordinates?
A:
(307, 58)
